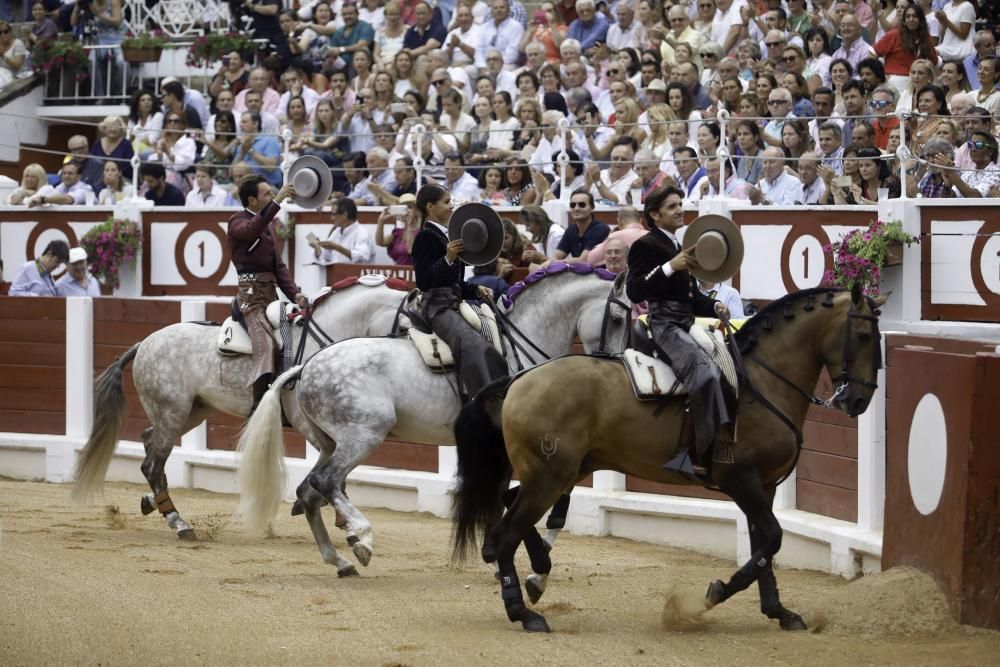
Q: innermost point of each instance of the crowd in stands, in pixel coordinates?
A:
(795, 100)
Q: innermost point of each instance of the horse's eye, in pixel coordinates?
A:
(617, 319)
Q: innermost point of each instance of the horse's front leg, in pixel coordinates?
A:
(158, 448)
(765, 541)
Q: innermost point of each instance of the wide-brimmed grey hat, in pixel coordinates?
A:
(482, 230)
(312, 180)
(718, 247)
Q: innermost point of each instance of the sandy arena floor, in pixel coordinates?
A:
(100, 586)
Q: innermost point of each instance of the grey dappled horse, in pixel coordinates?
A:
(181, 378)
(360, 391)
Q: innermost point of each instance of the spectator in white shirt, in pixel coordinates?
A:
(71, 190)
(813, 187)
(462, 185)
(615, 182)
(627, 32)
(464, 42)
(206, 192)
(454, 121)
(348, 242)
(293, 80)
(779, 103)
(502, 32)
(776, 186)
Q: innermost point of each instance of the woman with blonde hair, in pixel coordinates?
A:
(112, 145)
(32, 180)
(176, 150)
(389, 38)
(627, 121)
(659, 118)
(407, 75)
(922, 72)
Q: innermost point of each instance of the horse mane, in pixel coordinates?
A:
(553, 269)
(763, 321)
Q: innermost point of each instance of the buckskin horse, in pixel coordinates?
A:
(554, 439)
(181, 378)
(360, 391)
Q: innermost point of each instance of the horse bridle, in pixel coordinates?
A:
(843, 379)
(614, 300)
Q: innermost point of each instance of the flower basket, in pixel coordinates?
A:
(52, 54)
(859, 257)
(210, 48)
(109, 245)
(894, 253)
(145, 47)
(134, 54)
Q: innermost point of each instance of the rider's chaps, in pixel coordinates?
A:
(476, 362)
(256, 292)
(692, 365)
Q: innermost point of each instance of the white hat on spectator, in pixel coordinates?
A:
(657, 84)
(77, 255)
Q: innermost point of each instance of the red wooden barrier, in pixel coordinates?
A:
(943, 471)
(32, 364)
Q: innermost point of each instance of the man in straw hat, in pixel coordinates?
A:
(658, 273)
(260, 271)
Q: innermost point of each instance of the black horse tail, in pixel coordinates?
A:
(109, 414)
(484, 473)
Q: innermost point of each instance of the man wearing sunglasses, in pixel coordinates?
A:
(681, 29)
(884, 120)
(979, 181)
(584, 231)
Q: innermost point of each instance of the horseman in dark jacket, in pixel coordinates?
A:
(658, 273)
(440, 276)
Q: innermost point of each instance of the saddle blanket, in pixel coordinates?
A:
(436, 353)
(653, 379)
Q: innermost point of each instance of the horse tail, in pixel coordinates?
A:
(262, 471)
(484, 473)
(109, 414)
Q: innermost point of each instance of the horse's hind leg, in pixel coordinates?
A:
(765, 541)
(158, 441)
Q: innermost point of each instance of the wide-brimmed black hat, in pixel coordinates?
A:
(312, 180)
(482, 230)
(718, 247)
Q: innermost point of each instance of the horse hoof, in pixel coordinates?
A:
(362, 552)
(187, 534)
(297, 508)
(533, 589)
(792, 621)
(716, 592)
(349, 571)
(535, 623)
(146, 505)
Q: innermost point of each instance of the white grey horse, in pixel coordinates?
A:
(181, 378)
(360, 391)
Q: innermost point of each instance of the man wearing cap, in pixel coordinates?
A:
(35, 277)
(659, 274)
(260, 272)
(77, 281)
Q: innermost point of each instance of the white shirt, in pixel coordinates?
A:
(79, 191)
(309, 96)
(620, 188)
(981, 179)
(952, 47)
(724, 21)
(634, 36)
(461, 127)
(473, 37)
(556, 232)
(149, 133)
(268, 125)
(356, 239)
(812, 193)
(785, 190)
(544, 156)
(217, 198)
(727, 296)
(466, 188)
(506, 37)
(502, 133)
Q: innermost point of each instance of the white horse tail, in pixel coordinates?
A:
(109, 414)
(262, 470)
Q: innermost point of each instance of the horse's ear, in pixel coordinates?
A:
(856, 294)
(881, 299)
(619, 283)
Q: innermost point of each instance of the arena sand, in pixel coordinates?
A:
(105, 585)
